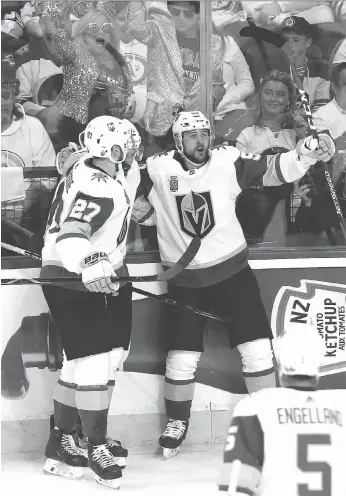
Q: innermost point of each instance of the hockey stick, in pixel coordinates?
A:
(174, 303)
(154, 296)
(20, 251)
(166, 275)
(262, 34)
(12, 226)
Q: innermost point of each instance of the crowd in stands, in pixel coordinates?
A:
(65, 63)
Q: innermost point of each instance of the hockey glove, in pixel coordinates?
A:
(323, 150)
(63, 155)
(97, 272)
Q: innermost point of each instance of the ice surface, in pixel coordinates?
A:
(187, 474)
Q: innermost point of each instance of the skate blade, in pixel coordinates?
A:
(53, 467)
(170, 452)
(111, 483)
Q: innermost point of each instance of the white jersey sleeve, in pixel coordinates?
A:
(270, 170)
(90, 212)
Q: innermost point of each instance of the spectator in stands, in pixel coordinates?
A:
(172, 36)
(135, 54)
(40, 81)
(232, 116)
(31, 21)
(96, 80)
(299, 35)
(237, 78)
(333, 115)
(12, 27)
(24, 143)
(276, 128)
(112, 89)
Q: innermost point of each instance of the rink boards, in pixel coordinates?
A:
(297, 290)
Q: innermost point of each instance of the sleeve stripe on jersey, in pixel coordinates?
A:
(259, 374)
(95, 212)
(71, 235)
(146, 216)
(248, 479)
(278, 168)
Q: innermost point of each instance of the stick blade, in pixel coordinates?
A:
(183, 262)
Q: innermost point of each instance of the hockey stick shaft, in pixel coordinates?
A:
(174, 303)
(154, 296)
(314, 133)
(162, 276)
(21, 251)
(16, 228)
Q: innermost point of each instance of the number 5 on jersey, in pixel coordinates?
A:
(304, 442)
(231, 437)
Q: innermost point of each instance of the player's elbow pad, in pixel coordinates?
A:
(71, 251)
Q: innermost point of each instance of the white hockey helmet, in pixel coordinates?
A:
(189, 121)
(104, 132)
(300, 352)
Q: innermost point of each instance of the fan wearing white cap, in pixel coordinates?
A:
(86, 235)
(290, 440)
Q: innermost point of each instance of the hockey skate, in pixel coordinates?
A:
(115, 447)
(173, 436)
(64, 458)
(118, 451)
(102, 463)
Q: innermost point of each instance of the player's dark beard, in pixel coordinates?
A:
(196, 159)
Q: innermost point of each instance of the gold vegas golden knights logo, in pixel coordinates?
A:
(196, 213)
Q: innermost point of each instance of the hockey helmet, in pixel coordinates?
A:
(300, 352)
(189, 121)
(104, 132)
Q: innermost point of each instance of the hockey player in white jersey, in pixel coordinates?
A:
(289, 441)
(86, 234)
(192, 192)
